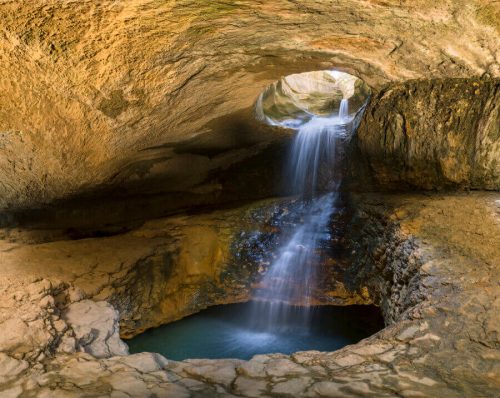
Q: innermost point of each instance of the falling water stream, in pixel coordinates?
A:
(281, 316)
(291, 280)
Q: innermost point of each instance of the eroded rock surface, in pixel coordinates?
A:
(435, 134)
(96, 329)
(122, 93)
(166, 269)
(431, 261)
(155, 99)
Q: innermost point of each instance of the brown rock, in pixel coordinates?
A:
(93, 98)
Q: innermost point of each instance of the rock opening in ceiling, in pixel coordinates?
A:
(296, 99)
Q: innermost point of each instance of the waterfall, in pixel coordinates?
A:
(344, 110)
(291, 278)
(313, 150)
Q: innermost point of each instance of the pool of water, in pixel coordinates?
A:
(228, 331)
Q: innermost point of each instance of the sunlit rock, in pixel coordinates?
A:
(295, 99)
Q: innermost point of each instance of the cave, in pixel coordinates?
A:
(288, 309)
(239, 199)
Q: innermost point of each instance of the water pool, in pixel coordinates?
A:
(230, 331)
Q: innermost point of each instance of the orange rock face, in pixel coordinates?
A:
(104, 94)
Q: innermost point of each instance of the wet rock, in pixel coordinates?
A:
(439, 339)
(168, 268)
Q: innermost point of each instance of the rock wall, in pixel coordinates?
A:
(432, 134)
(431, 260)
(384, 260)
(421, 134)
(106, 94)
(167, 268)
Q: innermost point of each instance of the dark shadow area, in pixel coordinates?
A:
(244, 163)
(227, 133)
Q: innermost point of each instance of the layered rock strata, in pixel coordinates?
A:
(168, 268)
(430, 261)
(437, 134)
(150, 106)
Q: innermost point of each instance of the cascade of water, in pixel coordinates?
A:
(313, 147)
(344, 110)
(291, 279)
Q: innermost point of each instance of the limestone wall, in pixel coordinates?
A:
(432, 134)
(105, 94)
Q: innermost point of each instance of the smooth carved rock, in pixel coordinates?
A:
(91, 100)
(299, 96)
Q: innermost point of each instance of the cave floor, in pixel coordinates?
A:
(443, 316)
